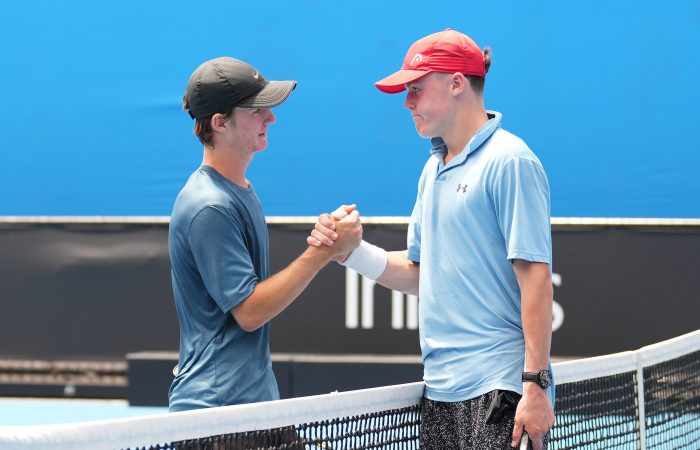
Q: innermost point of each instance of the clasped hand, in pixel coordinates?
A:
(340, 230)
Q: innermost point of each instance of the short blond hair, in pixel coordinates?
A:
(202, 125)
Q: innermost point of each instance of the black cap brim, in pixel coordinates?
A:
(271, 95)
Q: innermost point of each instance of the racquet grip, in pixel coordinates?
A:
(525, 442)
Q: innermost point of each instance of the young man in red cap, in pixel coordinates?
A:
(479, 256)
(218, 243)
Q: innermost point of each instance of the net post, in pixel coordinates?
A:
(640, 401)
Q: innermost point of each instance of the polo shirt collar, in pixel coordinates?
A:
(439, 148)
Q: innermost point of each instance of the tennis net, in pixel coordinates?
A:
(645, 399)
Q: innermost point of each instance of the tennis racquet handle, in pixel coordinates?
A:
(525, 442)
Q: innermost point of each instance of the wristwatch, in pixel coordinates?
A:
(543, 378)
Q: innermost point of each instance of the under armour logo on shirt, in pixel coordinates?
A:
(462, 188)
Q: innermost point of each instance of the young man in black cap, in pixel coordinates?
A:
(218, 243)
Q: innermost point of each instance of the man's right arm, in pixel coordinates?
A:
(401, 274)
(398, 273)
(273, 295)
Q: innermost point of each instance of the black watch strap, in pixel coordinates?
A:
(543, 378)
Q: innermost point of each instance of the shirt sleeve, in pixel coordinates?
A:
(219, 248)
(521, 200)
(414, 226)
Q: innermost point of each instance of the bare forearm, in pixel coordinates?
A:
(273, 295)
(537, 328)
(536, 294)
(534, 413)
(401, 274)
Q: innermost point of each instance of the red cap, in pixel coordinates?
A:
(447, 51)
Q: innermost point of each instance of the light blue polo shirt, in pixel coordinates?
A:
(218, 245)
(472, 217)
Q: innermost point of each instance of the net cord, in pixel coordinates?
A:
(631, 361)
(169, 427)
(669, 349)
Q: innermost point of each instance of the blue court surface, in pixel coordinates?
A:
(34, 411)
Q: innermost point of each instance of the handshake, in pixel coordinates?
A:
(337, 234)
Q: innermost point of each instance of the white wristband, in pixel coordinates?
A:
(367, 259)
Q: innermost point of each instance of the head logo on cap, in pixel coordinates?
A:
(416, 60)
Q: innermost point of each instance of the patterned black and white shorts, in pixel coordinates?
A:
(462, 425)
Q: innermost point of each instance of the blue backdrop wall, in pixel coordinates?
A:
(606, 93)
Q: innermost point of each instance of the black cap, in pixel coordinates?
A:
(222, 83)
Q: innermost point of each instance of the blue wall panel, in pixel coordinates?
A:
(91, 121)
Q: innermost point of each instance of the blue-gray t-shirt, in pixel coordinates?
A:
(218, 245)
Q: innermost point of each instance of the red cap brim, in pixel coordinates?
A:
(396, 82)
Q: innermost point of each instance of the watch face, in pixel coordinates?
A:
(545, 378)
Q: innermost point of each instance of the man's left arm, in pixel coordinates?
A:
(535, 413)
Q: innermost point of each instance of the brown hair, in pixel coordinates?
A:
(477, 83)
(202, 125)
